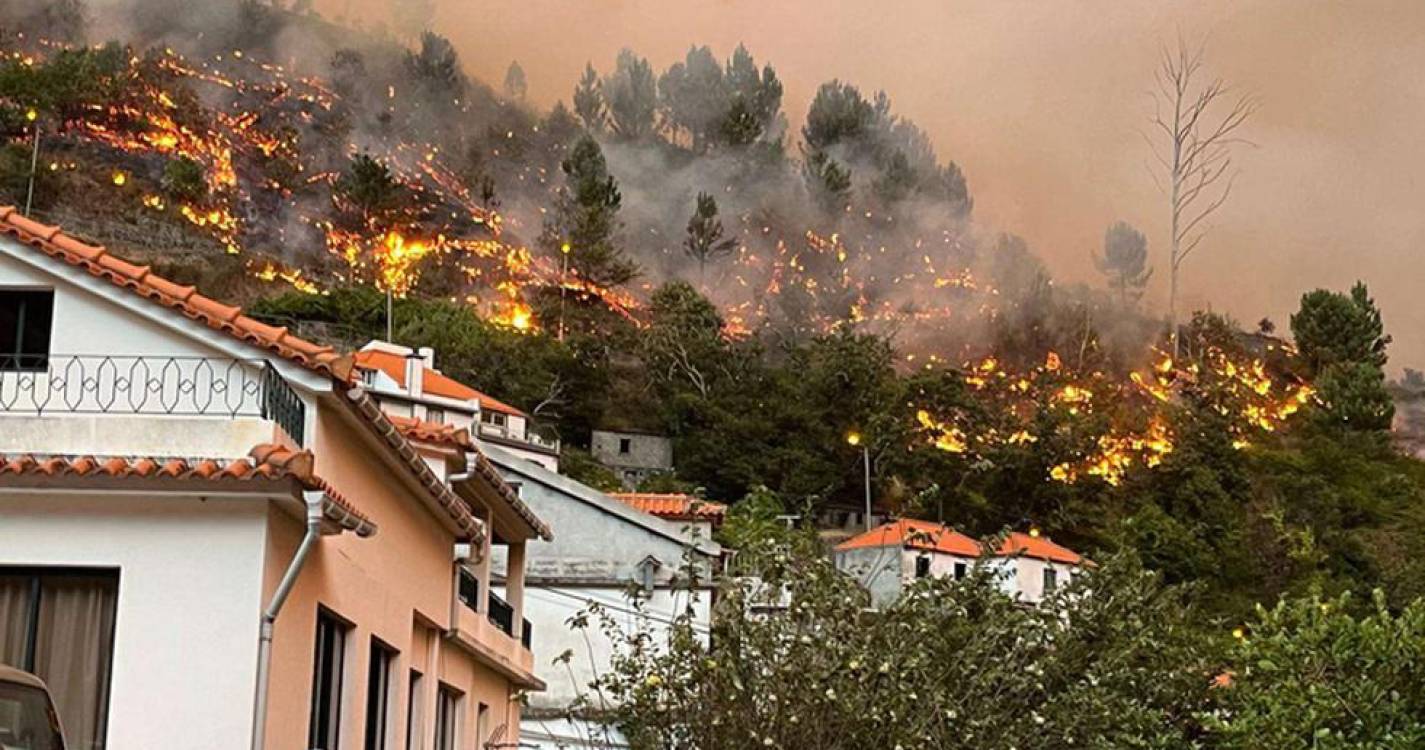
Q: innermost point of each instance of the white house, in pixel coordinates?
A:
(606, 552)
(406, 383)
(212, 537)
(891, 556)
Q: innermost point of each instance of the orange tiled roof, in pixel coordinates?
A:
(913, 534)
(1038, 547)
(98, 261)
(432, 381)
(264, 462)
(430, 432)
(674, 506)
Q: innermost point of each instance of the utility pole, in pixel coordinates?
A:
(33, 117)
(390, 316)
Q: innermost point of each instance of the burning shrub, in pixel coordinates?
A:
(183, 180)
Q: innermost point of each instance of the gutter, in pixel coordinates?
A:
(314, 500)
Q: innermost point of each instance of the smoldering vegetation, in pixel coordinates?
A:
(848, 218)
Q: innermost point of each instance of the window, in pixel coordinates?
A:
(922, 566)
(492, 417)
(59, 624)
(324, 732)
(25, 318)
(447, 717)
(413, 712)
(482, 725)
(1051, 580)
(378, 694)
(960, 570)
(625, 446)
(469, 590)
(435, 416)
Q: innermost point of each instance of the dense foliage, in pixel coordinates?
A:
(1116, 659)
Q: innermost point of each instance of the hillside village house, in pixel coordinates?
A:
(607, 550)
(633, 456)
(211, 536)
(406, 383)
(891, 556)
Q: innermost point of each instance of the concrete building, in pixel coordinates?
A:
(212, 537)
(890, 557)
(606, 549)
(406, 383)
(633, 456)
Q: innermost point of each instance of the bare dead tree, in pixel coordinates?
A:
(1195, 126)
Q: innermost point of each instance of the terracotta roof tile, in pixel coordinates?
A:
(459, 437)
(913, 534)
(98, 261)
(379, 423)
(674, 506)
(433, 381)
(1038, 547)
(266, 462)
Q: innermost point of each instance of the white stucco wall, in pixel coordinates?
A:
(1023, 577)
(93, 321)
(190, 575)
(548, 608)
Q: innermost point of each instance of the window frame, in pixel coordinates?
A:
(21, 359)
(330, 739)
(922, 566)
(447, 717)
(1050, 579)
(37, 575)
(414, 704)
(378, 691)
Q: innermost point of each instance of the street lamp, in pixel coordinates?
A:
(853, 439)
(564, 250)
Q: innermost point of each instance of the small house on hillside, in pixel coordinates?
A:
(689, 511)
(407, 384)
(633, 456)
(891, 556)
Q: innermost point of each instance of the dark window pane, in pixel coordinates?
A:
(378, 691)
(25, 321)
(324, 730)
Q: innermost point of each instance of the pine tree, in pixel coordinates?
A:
(585, 218)
(705, 240)
(632, 96)
(589, 100)
(1124, 261)
(516, 87)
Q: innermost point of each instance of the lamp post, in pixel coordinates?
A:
(32, 116)
(853, 439)
(564, 250)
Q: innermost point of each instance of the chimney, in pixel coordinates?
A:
(428, 354)
(415, 374)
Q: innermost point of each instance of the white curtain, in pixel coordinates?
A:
(72, 652)
(14, 618)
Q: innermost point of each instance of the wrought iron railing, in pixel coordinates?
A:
(152, 385)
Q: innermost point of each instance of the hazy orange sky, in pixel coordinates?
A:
(1041, 103)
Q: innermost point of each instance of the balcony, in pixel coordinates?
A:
(146, 385)
(528, 436)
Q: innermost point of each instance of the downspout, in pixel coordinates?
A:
(313, 500)
(464, 552)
